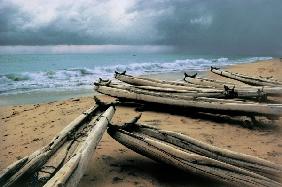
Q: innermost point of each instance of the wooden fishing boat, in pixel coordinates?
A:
(226, 94)
(168, 86)
(251, 163)
(268, 90)
(64, 160)
(214, 105)
(246, 79)
(190, 162)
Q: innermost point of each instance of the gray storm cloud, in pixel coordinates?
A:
(252, 27)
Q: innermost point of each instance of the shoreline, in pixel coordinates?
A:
(60, 94)
(25, 128)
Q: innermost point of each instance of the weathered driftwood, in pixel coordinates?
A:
(269, 110)
(269, 90)
(71, 173)
(201, 165)
(251, 163)
(165, 86)
(30, 166)
(247, 79)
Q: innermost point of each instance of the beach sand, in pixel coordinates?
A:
(25, 128)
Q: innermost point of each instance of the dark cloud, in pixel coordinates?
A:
(239, 27)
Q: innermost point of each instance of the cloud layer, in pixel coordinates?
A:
(251, 27)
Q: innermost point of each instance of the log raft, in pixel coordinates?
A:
(184, 88)
(268, 90)
(69, 149)
(189, 162)
(246, 79)
(248, 108)
(141, 81)
(251, 163)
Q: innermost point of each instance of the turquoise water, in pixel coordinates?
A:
(35, 78)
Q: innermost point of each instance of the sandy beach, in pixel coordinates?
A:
(25, 128)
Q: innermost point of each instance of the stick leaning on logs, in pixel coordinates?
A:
(64, 160)
(149, 144)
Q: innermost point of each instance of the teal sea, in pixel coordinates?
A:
(36, 78)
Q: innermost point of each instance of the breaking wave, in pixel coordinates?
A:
(84, 77)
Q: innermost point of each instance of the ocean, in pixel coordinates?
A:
(37, 78)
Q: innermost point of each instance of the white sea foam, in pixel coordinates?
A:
(84, 77)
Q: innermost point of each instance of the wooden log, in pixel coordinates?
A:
(11, 170)
(40, 157)
(269, 110)
(246, 79)
(71, 173)
(251, 163)
(189, 162)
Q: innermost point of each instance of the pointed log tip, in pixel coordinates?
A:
(97, 84)
(130, 126)
(102, 82)
(118, 73)
(190, 76)
(216, 68)
(230, 92)
(99, 102)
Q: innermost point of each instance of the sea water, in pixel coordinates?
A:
(36, 78)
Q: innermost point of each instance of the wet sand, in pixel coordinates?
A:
(25, 128)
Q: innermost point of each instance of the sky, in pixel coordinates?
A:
(236, 27)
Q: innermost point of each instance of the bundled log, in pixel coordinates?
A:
(226, 96)
(214, 105)
(190, 162)
(71, 173)
(44, 163)
(267, 90)
(251, 163)
(246, 79)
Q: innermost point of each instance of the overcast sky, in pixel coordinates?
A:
(252, 27)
